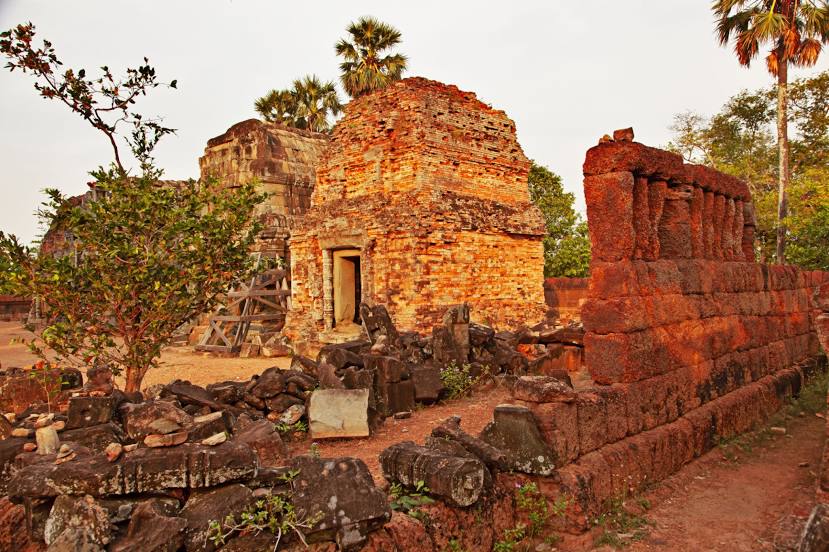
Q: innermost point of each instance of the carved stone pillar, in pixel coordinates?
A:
(327, 289)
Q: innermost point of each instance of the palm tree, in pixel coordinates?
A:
(314, 101)
(365, 68)
(795, 31)
(277, 106)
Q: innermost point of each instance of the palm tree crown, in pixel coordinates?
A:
(365, 68)
(795, 29)
(307, 105)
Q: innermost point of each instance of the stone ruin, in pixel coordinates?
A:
(421, 203)
(282, 161)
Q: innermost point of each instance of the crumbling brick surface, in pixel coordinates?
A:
(430, 185)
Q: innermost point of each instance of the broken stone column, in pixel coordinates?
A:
(456, 321)
(737, 232)
(459, 481)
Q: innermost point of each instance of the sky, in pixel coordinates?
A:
(566, 72)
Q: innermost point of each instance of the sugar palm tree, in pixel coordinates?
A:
(795, 31)
(314, 101)
(365, 68)
(277, 106)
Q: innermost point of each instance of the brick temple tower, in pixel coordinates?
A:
(420, 202)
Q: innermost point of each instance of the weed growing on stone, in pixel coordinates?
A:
(459, 381)
(529, 500)
(299, 426)
(275, 514)
(454, 546)
(621, 526)
(408, 500)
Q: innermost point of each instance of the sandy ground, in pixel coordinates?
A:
(176, 362)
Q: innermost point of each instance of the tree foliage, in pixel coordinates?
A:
(795, 31)
(366, 67)
(149, 255)
(739, 140)
(307, 105)
(567, 243)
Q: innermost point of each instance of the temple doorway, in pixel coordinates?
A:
(347, 288)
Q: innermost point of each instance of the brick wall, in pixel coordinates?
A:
(564, 296)
(430, 185)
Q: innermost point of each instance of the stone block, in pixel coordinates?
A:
(343, 491)
(427, 383)
(80, 514)
(89, 411)
(153, 417)
(514, 431)
(151, 529)
(592, 421)
(334, 413)
(542, 389)
(558, 423)
(609, 199)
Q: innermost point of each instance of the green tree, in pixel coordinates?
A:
(567, 243)
(366, 68)
(739, 140)
(277, 106)
(795, 31)
(307, 105)
(151, 255)
(315, 100)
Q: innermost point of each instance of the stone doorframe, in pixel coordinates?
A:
(337, 242)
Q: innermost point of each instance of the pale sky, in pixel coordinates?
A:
(566, 72)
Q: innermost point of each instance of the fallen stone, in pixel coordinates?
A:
(542, 389)
(515, 433)
(74, 540)
(303, 364)
(815, 536)
(79, 513)
(336, 413)
(151, 529)
(270, 383)
(377, 322)
(403, 415)
(21, 432)
(96, 438)
(265, 441)
(154, 417)
(47, 440)
(427, 383)
(479, 335)
(209, 425)
(341, 355)
(113, 451)
(6, 428)
(13, 533)
(214, 440)
(227, 392)
(187, 466)
(29, 447)
(211, 505)
(343, 492)
(44, 420)
(167, 440)
(459, 481)
(292, 415)
(282, 402)
(623, 135)
(328, 377)
(89, 411)
(450, 430)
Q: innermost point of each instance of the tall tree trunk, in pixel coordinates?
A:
(134, 377)
(783, 158)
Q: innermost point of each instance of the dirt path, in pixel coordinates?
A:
(737, 500)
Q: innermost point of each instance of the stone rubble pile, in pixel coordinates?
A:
(399, 370)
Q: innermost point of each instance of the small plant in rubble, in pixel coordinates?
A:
(274, 513)
(406, 500)
(43, 374)
(459, 381)
(298, 426)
